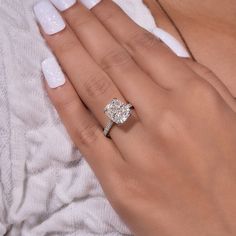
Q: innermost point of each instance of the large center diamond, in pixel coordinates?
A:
(117, 111)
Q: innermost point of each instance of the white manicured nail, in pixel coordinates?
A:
(63, 5)
(48, 17)
(171, 42)
(53, 73)
(90, 3)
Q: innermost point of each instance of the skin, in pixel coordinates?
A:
(170, 170)
(208, 28)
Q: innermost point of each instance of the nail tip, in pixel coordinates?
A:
(52, 73)
(56, 30)
(63, 5)
(48, 17)
(90, 3)
(38, 5)
(54, 86)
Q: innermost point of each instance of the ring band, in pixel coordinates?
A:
(118, 113)
(108, 127)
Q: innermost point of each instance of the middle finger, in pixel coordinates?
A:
(113, 58)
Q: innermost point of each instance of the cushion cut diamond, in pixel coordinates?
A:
(117, 111)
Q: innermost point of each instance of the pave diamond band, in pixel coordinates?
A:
(118, 113)
(108, 128)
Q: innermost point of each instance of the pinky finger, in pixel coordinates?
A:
(83, 129)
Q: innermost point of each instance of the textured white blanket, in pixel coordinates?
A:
(46, 187)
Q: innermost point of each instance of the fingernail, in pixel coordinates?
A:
(48, 17)
(63, 5)
(53, 73)
(90, 3)
(171, 42)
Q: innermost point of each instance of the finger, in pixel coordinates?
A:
(152, 55)
(210, 77)
(81, 126)
(172, 38)
(114, 60)
(92, 84)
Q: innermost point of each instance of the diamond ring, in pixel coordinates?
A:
(118, 113)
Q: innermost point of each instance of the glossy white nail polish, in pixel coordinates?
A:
(63, 5)
(53, 73)
(48, 17)
(171, 42)
(90, 3)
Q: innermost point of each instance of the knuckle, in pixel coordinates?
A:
(205, 72)
(109, 15)
(66, 45)
(65, 104)
(142, 39)
(96, 85)
(87, 134)
(209, 76)
(127, 187)
(170, 124)
(79, 22)
(115, 58)
(203, 91)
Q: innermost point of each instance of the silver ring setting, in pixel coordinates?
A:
(117, 112)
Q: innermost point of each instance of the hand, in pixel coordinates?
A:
(171, 169)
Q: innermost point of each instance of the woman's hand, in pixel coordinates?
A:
(171, 169)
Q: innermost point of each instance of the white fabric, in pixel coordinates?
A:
(46, 187)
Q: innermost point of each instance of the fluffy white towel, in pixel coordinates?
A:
(46, 187)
